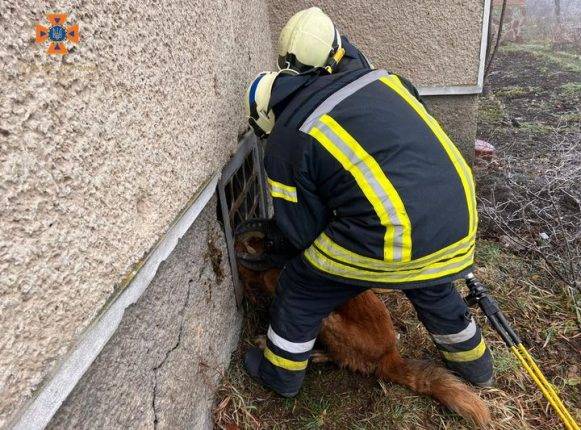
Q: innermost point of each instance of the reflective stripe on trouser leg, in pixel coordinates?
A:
(285, 354)
(303, 299)
(471, 359)
(281, 369)
(285, 361)
(447, 318)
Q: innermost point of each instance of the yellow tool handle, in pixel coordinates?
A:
(547, 384)
(479, 295)
(535, 373)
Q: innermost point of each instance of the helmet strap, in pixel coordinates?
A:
(334, 60)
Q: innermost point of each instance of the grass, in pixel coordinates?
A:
(570, 88)
(573, 119)
(514, 91)
(536, 128)
(491, 111)
(334, 398)
(567, 61)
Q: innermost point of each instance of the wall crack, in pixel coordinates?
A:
(168, 353)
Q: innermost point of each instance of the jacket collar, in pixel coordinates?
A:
(285, 87)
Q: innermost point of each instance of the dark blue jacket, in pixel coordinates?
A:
(366, 182)
(353, 58)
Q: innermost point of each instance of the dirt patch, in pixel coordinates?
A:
(529, 195)
(532, 93)
(214, 255)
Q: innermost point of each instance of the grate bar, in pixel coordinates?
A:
(242, 195)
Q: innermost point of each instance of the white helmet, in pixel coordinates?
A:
(308, 40)
(260, 118)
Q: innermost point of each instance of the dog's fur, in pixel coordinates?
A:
(360, 336)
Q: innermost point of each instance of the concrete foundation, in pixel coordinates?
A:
(457, 115)
(161, 367)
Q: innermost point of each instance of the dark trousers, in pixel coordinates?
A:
(445, 315)
(304, 298)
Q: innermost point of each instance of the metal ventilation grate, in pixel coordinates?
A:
(242, 194)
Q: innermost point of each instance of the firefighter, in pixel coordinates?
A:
(371, 192)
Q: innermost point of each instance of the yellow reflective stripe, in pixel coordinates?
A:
(460, 164)
(462, 168)
(282, 191)
(367, 185)
(458, 161)
(284, 362)
(337, 252)
(463, 356)
(284, 196)
(433, 271)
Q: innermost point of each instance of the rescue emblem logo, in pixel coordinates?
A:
(57, 33)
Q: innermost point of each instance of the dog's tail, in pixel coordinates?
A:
(428, 378)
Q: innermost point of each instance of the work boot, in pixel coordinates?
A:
(486, 384)
(252, 361)
(479, 373)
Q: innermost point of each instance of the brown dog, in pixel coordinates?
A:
(360, 336)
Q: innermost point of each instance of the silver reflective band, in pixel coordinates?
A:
(342, 255)
(372, 181)
(338, 96)
(449, 339)
(280, 190)
(288, 346)
(326, 264)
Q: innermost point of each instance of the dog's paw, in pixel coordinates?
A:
(260, 341)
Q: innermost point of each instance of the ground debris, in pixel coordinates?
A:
(483, 149)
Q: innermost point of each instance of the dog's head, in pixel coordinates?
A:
(249, 245)
(258, 276)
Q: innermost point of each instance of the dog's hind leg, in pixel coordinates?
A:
(359, 333)
(319, 356)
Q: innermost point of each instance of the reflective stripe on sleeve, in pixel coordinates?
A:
(462, 336)
(463, 356)
(286, 345)
(282, 191)
(284, 363)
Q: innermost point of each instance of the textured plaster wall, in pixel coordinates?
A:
(101, 149)
(432, 42)
(162, 366)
